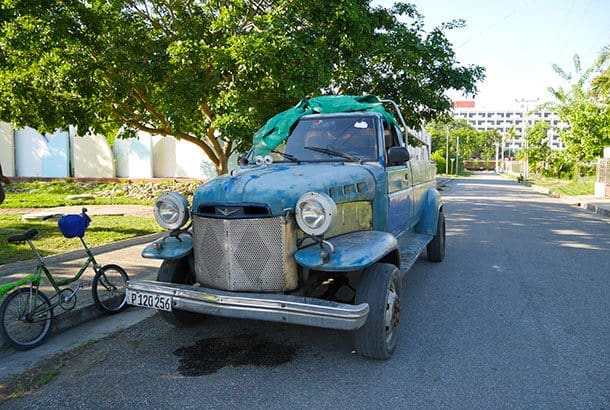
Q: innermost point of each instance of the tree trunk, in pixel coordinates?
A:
(223, 167)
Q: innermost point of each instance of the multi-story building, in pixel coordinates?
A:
(504, 120)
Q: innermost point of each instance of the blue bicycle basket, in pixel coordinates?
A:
(72, 226)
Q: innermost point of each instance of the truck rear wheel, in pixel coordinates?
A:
(178, 271)
(381, 287)
(436, 248)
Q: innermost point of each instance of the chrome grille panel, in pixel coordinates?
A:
(253, 254)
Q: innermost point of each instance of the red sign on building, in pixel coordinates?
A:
(463, 104)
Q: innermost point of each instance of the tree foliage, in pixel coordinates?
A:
(601, 83)
(586, 110)
(211, 72)
(538, 146)
(473, 144)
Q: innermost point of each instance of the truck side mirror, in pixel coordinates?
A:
(242, 159)
(397, 155)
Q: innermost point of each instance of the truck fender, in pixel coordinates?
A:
(351, 251)
(431, 207)
(170, 247)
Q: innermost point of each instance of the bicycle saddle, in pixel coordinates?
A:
(22, 237)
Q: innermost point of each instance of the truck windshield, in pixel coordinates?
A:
(331, 138)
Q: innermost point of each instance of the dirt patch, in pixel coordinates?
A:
(207, 356)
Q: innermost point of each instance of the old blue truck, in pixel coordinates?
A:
(327, 212)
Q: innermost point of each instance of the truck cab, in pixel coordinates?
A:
(326, 214)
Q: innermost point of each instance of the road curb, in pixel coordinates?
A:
(591, 207)
(30, 265)
(597, 209)
(65, 321)
(442, 182)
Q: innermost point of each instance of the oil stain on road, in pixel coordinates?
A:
(207, 356)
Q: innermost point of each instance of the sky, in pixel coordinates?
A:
(518, 42)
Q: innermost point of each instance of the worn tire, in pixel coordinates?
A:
(436, 248)
(381, 287)
(108, 289)
(178, 271)
(11, 327)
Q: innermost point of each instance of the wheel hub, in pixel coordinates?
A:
(392, 313)
(396, 314)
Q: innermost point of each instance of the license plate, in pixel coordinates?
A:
(149, 300)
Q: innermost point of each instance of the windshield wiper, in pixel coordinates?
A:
(287, 156)
(329, 151)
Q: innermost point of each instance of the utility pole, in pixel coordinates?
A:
(457, 153)
(502, 155)
(524, 105)
(447, 150)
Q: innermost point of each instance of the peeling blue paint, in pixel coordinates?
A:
(281, 186)
(431, 204)
(171, 248)
(352, 251)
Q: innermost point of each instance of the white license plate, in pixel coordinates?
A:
(149, 300)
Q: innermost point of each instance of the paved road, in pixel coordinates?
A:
(518, 315)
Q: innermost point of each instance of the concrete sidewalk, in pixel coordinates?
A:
(600, 206)
(124, 253)
(591, 203)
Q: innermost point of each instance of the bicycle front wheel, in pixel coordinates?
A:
(108, 288)
(26, 317)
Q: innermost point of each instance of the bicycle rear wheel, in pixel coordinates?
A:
(25, 318)
(108, 288)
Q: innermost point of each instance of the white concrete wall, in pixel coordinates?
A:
(133, 156)
(7, 150)
(30, 154)
(38, 155)
(91, 156)
(174, 158)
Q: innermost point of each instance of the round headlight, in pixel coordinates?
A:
(316, 213)
(172, 211)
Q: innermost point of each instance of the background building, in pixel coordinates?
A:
(504, 120)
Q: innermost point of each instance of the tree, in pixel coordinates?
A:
(538, 146)
(601, 83)
(511, 137)
(212, 72)
(587, 113)
(473, 144)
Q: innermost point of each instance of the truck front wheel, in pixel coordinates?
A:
(178, 271)
(436, 248)
(381, 287)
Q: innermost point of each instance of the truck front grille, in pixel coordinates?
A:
(252, 255)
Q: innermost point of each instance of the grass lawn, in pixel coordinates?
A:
(103, 229)
(46, 194)
(568, 187)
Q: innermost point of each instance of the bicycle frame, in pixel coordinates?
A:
(41, 268)
(57, 283)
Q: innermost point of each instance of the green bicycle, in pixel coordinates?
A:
(26, 314)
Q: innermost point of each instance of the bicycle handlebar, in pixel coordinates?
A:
(44, 218)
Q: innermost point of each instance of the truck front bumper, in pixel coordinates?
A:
(258, 306)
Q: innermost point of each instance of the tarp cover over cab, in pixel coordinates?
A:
(278, 127)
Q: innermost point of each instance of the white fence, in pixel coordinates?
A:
(28, 153)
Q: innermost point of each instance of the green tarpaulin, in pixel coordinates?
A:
(278, 127)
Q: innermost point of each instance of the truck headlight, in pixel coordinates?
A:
(316, 213)
(171, 211)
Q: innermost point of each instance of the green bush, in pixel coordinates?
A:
(439, 158)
